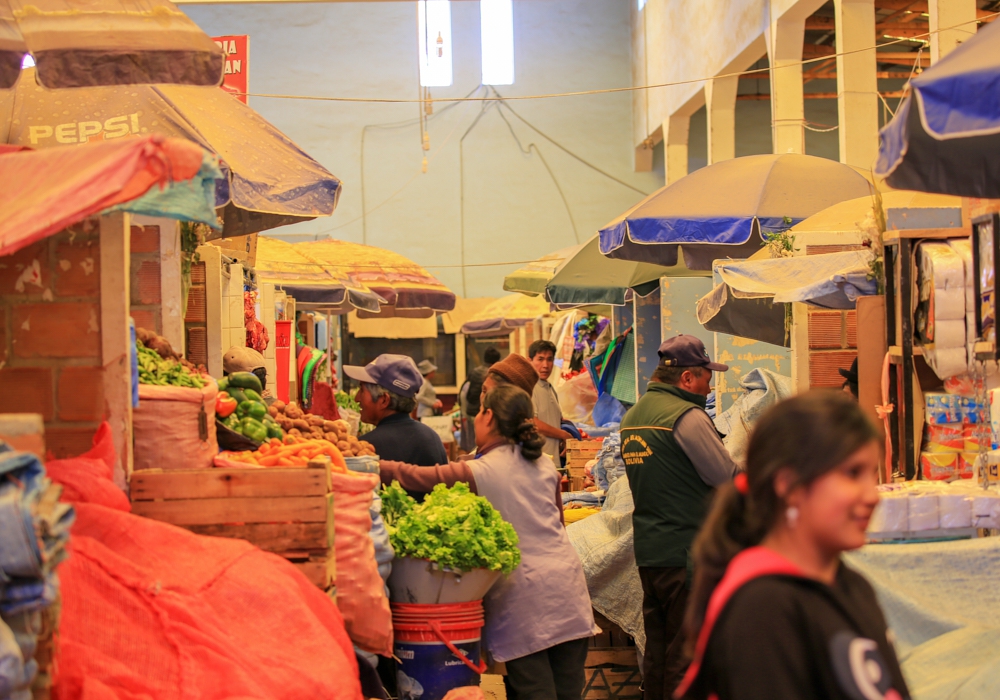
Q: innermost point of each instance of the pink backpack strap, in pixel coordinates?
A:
(746, 566)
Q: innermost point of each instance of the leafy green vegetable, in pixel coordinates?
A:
(153, 369)
(344, 400)
(452, 527)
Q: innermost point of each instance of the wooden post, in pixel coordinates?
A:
(116, 344)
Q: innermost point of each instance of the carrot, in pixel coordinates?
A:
(269, 461)
(285, 462)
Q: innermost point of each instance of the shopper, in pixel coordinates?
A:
(386, 395)
(674, 459)
(514, 369)
(470, 394)
(539, 619)
(548, 415)
(427, 400)
(850, 376)
(774, 612)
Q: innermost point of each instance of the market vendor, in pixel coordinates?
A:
(548, 415)
(388, 386)
(674, 459)
(243, 359)
(514, 369)
(539, 619)
(427, 400)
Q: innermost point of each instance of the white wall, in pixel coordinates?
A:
(512, 209)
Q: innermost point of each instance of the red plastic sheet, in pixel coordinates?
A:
(42, 192)
(152, 611)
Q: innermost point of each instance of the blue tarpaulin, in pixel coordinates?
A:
(724, 209)
(945, 137)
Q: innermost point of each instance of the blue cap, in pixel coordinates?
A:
(397, 373)
(687, 351)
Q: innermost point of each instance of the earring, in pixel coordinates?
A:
(792, 515)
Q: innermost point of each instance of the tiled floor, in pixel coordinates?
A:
(492, 686)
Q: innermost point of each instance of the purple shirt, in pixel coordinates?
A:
(544, 601)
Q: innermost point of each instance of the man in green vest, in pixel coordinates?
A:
(674, 458)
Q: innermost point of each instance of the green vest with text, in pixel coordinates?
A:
(671, 500)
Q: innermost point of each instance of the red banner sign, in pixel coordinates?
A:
(237, 50)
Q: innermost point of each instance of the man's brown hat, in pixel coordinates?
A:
(518, 371)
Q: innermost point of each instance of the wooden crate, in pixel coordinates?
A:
(612, 666)
(285, 511)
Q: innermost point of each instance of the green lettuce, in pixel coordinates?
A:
(453, 527)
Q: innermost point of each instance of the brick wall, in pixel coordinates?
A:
(146, 302)
(50, 336)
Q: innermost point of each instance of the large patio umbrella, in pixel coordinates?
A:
(588, 278)
(42, 192)
(269, 181)
(314, 285)
(845, 217)
(532, 278)
(506, 314)
(945, 136)
(724, 209)
(78, 43)
(407, 288)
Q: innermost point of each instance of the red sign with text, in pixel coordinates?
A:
(237, 50)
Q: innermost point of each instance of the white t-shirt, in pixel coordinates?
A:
(547, 410)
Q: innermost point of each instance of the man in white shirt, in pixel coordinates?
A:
(548, 415)
(427, 400)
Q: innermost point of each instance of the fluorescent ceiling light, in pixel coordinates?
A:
(642, 4)
(27, 61)
(434, 42)
(497, 22)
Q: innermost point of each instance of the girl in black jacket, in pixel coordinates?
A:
(773, 612)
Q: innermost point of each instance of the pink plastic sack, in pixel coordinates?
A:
(360, 590)
(174, 427)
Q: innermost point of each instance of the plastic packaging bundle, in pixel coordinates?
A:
(609, 463)
(35, 529)
(942, 288)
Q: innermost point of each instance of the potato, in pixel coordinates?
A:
(329, 426)
(272, 411)
(331, 437)
(314, 419)
(343, 446)
(302, 425)
(278, 404)
(296, 432)
(342, 425)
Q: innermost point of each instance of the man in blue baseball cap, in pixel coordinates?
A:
(674, 459)
(388, 386)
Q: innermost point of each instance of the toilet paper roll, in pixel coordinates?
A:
(983, 503)
(948, 305)
(891, 514)
(949, 334)
(947, 362)
(970, 327)
(963, 249)
(923, 512)
(942, 265)
(955, 509)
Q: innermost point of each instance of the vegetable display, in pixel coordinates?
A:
(154, 369)
(290, 453)
(241, 408)
(306, 425)
(344, 400)
(453, 527)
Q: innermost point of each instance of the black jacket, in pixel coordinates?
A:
(791, 637)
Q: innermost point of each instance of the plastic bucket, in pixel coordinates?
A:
(420, 581)
(438, 647)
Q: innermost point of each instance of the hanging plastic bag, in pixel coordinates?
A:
(577, 397)
(608, 411)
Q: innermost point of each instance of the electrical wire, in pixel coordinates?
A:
(461, 187)
(608, 91)
(527, 151)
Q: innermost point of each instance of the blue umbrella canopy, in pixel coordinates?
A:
(724, 210)
(945, 137)
(269, 181)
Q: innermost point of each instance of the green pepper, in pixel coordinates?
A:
(274, 431)
(251, 409)
(237, 394)
(253, 395)
(245, 380)
(253, 429)
(224, 384)
(232, 422)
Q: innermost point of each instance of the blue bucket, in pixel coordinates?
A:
(438, 647)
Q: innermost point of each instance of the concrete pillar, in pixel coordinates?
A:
(857, 83)
(784, 51)
(675, 145)
(720, 101)
(948, 13)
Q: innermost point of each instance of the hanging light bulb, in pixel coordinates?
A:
(427, 141)
(423, 166)
(440, 45)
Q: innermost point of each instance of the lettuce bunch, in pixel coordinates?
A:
(453, 527)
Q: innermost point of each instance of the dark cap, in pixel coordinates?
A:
(518, 371)
(851, 375)
(687, 351)
(397, 373)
